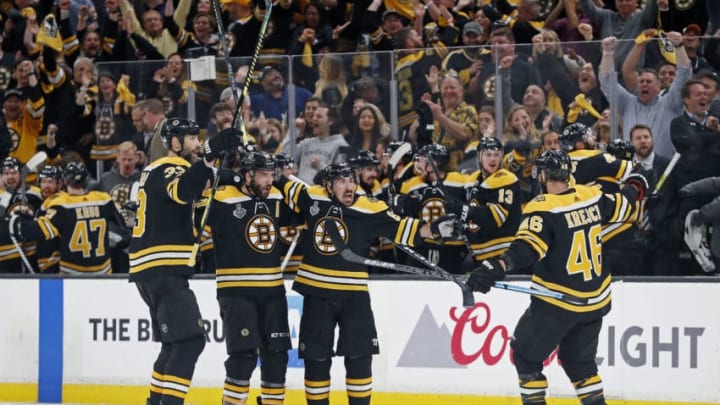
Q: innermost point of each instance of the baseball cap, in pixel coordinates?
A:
(473, 27)
(391, 11)
(14, 92)
(267, 70)
(693, 27)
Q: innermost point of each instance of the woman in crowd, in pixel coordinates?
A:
(369, 130)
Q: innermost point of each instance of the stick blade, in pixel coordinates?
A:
(403, 150)
(36, 161)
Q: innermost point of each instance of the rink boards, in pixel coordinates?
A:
(88, 341)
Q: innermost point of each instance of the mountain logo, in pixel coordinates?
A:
(428, 345)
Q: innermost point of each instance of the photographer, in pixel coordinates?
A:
(695, 135)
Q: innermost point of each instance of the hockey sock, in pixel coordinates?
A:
(158, 375)
(179, 369)
(358, 379)
(317, 381)
(532, 388)
(590, 390)
(272, 385)
(238, 370)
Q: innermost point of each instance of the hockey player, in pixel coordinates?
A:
(161, 244)
(50, 177)
(560, 237)
(245, 223)
(48, 251)
(592, 166)
(493, 213)
(81, 221)
(424, 196)
(16, 201)
(366, 167)
(335, 291)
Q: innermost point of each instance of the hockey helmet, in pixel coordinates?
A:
(178, 127)
(621, 149)
(364, 158)
(574, 133)
(11, 163)
(488, 143)
(556, 164)
(337, 171)
(283, 160)
(75, 174)
(257, 160)
(439, 153)
(51, 172)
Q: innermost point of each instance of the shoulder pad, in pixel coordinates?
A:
(499, 179)
(368, 205)
(318, 192)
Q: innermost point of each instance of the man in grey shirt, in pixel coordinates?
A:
(626, 23)
(313, 154)
(647, 107)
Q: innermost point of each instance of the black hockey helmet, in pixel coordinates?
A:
(488, 143)
(574, 133)
(621, 149)
(178, 127)
(393, 146)
(11, 163)
(51, 172)
(283, 160)
(438, 152)
(75, 174)
(364, 158)
(336, 171)
(257, 160)
(556, 164)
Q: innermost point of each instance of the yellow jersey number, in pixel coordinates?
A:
(85, 233)
(139, 227)
(586, 253)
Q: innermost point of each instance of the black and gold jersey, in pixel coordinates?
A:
(81, 222)
(246, 240)
(323, 272)
(163, 235)
(410, 71)
(561, 235)
(492, 225)
(9, 256)
(592, 166)
(432, 198)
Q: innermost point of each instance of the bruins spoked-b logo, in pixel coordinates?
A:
(321, 240)
(432, 209)
(261, 233)
(287, 233)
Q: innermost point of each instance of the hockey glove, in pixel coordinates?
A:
(642, 179)
(485, 276)
(224, 143)
(446, 227)
(407, 204)
(457, 207)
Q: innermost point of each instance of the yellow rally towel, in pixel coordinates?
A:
(49, 34)
(667, 49)
(125, 94)
(307, 59)
(581, 103)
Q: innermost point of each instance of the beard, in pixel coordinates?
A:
(258, 190)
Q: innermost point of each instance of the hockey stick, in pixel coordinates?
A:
(353, 257)
(468, 299)
(226, 51)
(253, 61)
(290, 251)
(394, 159)
(667, 172)
(236, 119)
(31, 166)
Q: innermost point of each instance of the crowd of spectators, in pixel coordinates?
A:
(80, 77)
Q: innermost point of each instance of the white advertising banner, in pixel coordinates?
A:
(19, 331)
(660, 342)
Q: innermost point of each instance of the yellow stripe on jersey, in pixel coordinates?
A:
(597, 299)
(623, 169)
(367, 206)
(492, 248)
(499, 213)
(172, 191)
(260, 277)
(534, 241)
(73, 268)
(407, 231)
(47, 228)
(319, 277)
(157, 256)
